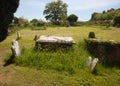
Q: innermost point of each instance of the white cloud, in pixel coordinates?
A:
(90, 4)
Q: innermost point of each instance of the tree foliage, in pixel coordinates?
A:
(109, 15)
(116, 20)
(106, 17)
(15, 20)
(13, 26)
(23, 22)
(36, 22)
(55, 11)
(72, 19)
(7, 9)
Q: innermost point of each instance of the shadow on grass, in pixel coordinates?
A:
(9, 61)
(112, 65)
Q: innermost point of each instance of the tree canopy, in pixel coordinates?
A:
(72, 19)
(109, 15)
(7, 9)
(36, 22)
(55, 11)
(116, 20)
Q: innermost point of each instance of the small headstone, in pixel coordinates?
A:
(18, 34)
(91, 35)
(94, 63)
(35, 38)
(15, 48)
(89, 61)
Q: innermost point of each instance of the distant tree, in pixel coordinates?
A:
(41, 23)
(72, 19)
(55, 11)
(108, 15)
(116, 21)
(112, 9)
(97, 17)
(14, 25)
(34, 22)
(103, 11)
(23, 22)
(15, 20)
(93, 17)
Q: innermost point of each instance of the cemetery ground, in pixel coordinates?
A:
(51, 71)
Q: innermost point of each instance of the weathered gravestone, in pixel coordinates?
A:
(89, 61)
(18, 36)
(35, 38)
(108, 51)
(94, 63)
(91, 35)
(15, 48)
(54, 42)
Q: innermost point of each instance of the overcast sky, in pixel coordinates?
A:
(31, 9)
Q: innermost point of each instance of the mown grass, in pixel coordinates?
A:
(57, 68)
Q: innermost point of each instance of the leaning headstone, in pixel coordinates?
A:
(89, 61)
(94, 63)
(91, 35)
(15, 48)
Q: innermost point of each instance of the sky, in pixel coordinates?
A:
(31, 9)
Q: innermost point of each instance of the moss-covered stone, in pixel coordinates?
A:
(108, 51)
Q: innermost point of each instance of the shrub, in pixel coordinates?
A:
(39, 28)
(116, 21)
(72, 19)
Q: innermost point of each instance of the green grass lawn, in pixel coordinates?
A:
(14, 75)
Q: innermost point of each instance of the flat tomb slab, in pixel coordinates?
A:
(54, 42)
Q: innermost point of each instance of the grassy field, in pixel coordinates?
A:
(13, 75)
